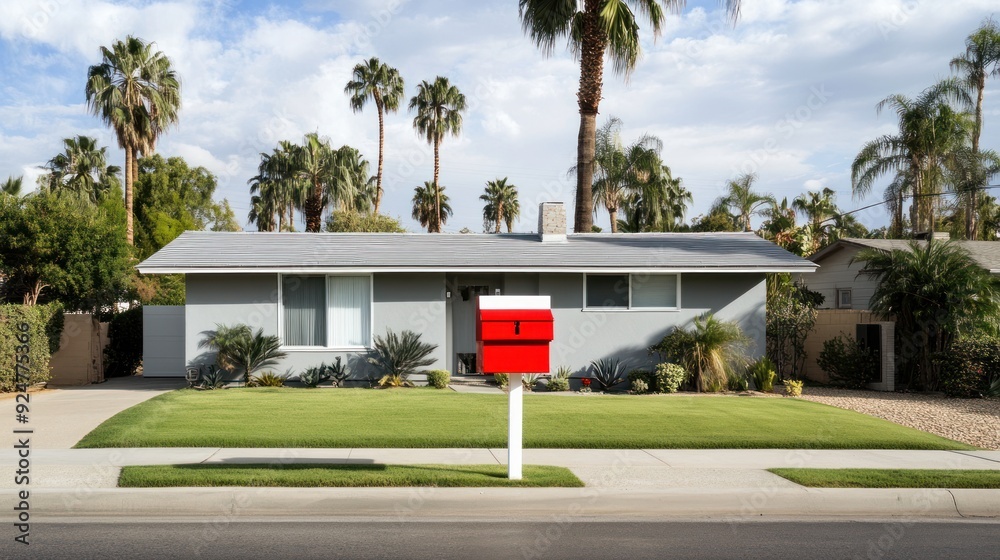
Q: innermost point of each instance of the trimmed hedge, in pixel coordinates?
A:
(124, 351)
(44, 329)
(968, 368)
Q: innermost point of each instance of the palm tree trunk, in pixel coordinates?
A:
(381, 146)
(499, 216)
(592, 46)
(437, 189)
(129, 186)
(971, 203)
(314, 208)
(613, 213)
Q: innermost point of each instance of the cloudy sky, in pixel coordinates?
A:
(788, 93)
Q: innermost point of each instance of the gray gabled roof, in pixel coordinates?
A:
(985, 253)
(210, 252)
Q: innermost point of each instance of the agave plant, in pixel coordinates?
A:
(609, 372)
(397, 356)
(338, 372)
(214, 378)
(267, 379)
(311, 377)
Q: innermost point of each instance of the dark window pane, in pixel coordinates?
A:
(607, 290)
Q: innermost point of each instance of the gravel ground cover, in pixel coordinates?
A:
(972, 421)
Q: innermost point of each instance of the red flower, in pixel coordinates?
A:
(586, 382)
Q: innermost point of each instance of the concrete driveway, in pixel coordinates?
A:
(60, 417)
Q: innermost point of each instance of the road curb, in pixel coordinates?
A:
(403, 504)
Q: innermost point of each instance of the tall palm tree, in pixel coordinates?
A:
(262, 212)
(743, 202)
(428, 201)
(82, 169)
(595, 28)
(658, 203)
(280, 191)
(12, 185)
(779, 226)
(501, 205)
(136, 92)
(981, 60)
(817, 207)
(439, 107)
(376, 81)
(932, 139)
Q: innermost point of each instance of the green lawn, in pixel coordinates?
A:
(433, 418)
(312, 475)
(891, 478)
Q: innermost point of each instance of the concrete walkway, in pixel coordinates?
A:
(61, 416)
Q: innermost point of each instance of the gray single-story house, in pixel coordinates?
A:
(329, 294)
(843, 288)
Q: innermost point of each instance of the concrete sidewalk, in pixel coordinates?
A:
(639, 484)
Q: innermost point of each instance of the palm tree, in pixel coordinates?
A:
(439, 109)
(314, 163)
(980, 60)
(352, 185)
(779, 226)
(12, 186)
(742, 202)
(382, 84)
(278, 187)
(502, 205)
(594, 28)
(619, 171)
(135, 91)
(427, 202)
(817, 207)
(933, 139)
(82, 169)
(935, 292)
(658, 203)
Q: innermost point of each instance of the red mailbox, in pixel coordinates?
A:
(513, 334)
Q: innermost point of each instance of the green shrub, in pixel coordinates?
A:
(709, 351)
(640, 387)
(562, 372)
(338, 372)
(53, 324)
(668, 378)
(847, 363)
(793, 388)
(608, 372)
(397, 356)
(966, 370)
(267, 379)
(643, 375)
(558, 384)
(439, 378)
(38, 318)
(763, 374)
(738, 381)
(994, 389)
(124, 350)
(501, 379)
(529, 380)
(250, 353)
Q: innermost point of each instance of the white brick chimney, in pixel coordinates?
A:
(551, 221)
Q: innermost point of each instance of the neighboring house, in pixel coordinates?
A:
(329, 294)
(838, 280)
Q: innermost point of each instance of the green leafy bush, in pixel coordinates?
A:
(267, 379)
(38, 318)
(994, 390)
(643, 375)
(793, 388)
(966, 370)
(709, 351)
(668, 378)
(124, 350)
(763, 374)
(847, 363)
(738, 381)
(397, 356)
(639, 387)
(501, 379)
(558, 384)
(439, 378)
(608, 372)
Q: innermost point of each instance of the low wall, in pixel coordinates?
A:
(829, 324)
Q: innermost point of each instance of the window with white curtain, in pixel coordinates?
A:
(631, 291)
(654, 290)
(326, 311)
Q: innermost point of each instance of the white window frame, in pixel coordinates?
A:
(328, 347)
(840, 301)
(630, 308)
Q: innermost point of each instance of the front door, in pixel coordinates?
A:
(463, 309)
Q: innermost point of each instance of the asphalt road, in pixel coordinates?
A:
(248, 540)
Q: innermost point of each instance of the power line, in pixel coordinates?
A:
(905, 197)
